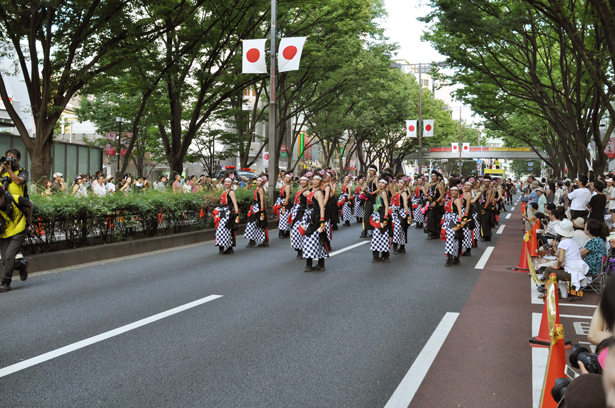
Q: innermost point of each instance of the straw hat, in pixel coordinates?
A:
(565, 229)
(579, 223)
(540, 189)
(535, 184)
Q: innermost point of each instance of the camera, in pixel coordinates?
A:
(7, 160)
(589, 360)
(559, 389)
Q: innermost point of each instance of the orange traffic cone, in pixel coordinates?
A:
(533, 245)
(556, 367)
(523, 265)
(543, 339)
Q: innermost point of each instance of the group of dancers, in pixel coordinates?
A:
(460, 212)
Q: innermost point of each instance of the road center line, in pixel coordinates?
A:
(512, 209)
(349, 248)
(403, 395)
(508, 216)
(501, 229)
(103, 336)
(483, 259)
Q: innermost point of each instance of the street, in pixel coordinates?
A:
(277, 337)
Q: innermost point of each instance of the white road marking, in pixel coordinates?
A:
(575, 316)
(103, 336)
(413, 224)
(508, 216)
(539, 362)
(403, 395)
(500, 230)
(483, 259)
(536, 301)
(349, 248)
(512, 209)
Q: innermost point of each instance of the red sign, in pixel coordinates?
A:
(283, 149)
(110, 149)
(352, 164)
(610, 148)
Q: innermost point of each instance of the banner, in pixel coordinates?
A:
(266, 159)
(254, 61)
(110, 148)
(428, 125)
(411, 128)
(289, 53)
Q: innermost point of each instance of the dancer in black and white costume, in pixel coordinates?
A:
(476, 195)
(316, 241)
(358, 201)
(369, 190)
(284, 204)
(467, 242)
(380, 223)
(418, 200)
(226, 218)
(256, 229)
(400, 216)
(452, 224)
(346, 200)
(299, 216)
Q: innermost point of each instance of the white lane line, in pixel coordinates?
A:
(539, 362)
(103, 336)
(536, 301)
(403, 395)
(512, 209)
(572, 304)
(508, 216)
(483, 259)
(413, 224)
(575, 316)
(349, 248)
(500, 230)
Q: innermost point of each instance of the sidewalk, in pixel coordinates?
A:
(486, 360)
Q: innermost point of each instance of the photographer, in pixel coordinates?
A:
(15, 215)
(14, 179)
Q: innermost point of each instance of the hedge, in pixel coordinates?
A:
(62, 221)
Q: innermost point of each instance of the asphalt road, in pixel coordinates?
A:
(278, 337)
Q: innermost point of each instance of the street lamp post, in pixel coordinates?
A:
(119, 120)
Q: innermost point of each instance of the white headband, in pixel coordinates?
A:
(454, 188)
(316, 176)
(228, 179)
(303, 178)
(383, 181)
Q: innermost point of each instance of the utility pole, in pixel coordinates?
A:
(420, 124)
(272, 114)
(460, 143)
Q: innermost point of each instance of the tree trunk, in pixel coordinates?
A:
(41, 160)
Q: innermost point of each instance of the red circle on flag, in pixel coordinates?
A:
(253, 55)
(428, 128)
(289, 52)
(411, 128)
(266, 156)
(454, 147)
(465, 147)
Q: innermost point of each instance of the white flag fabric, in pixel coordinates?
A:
(254, 61)
(455, 147)
(289, 53)
(411, 128)
(428, 125)
(466, 148)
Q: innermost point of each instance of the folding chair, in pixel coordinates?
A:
(599, 280)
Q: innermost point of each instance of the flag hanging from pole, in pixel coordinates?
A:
(411, 128)
(289, 53)
(455, 147)
(254, 61)
(428, 126)
(466, 148)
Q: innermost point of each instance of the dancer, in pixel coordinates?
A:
(369, 190)
(379, 221)
(298, 216)
(284, 204)
(418, 198)
(316, 241)
(334, 214)
(256, 229)
(226, 217)
(452, 225)
(345, 200)
(435, 198)
(468, 229)
(400, 215)
(487, 220)
(476, 195)
(358, 201)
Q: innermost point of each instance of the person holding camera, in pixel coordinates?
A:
(14, 178)
(15, 216)
(579, 198)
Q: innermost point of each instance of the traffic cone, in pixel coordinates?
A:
(523, 265)
(556, 367)
(533, 245)
(543, 340)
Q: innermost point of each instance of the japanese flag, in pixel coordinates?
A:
(411, 128)
(289, 53)
(455, 147)
(428, 128)
(466, 148)
(254, 61)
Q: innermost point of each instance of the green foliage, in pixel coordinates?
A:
(62, 221)
(522, 168)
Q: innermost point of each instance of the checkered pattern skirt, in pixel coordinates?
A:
(476, 229)
(346, 209)
(416, 213)
(380, 240)
(467, 242)
(224, 236)
(358, 207)
(296, 239)
(312, 247)
(452, 245)
(253, 231)
(399, 236)
(283, 224)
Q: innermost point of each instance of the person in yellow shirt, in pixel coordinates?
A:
(14, 178)
(15, 217)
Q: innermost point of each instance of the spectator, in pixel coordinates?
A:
(110, 186)
(76, 189)
(597, 203)
(542, 199)
(126, 185)
(16, 178)
(530, 219)
(139, 184)
(187, 186)
(56, 186)
(579, 198)
(177, 187)
(243, 182)
(595, 247)
(162, 184)
(555, 218)
(580, 237)
(533, 196)
(100, 190)
(47, 188)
